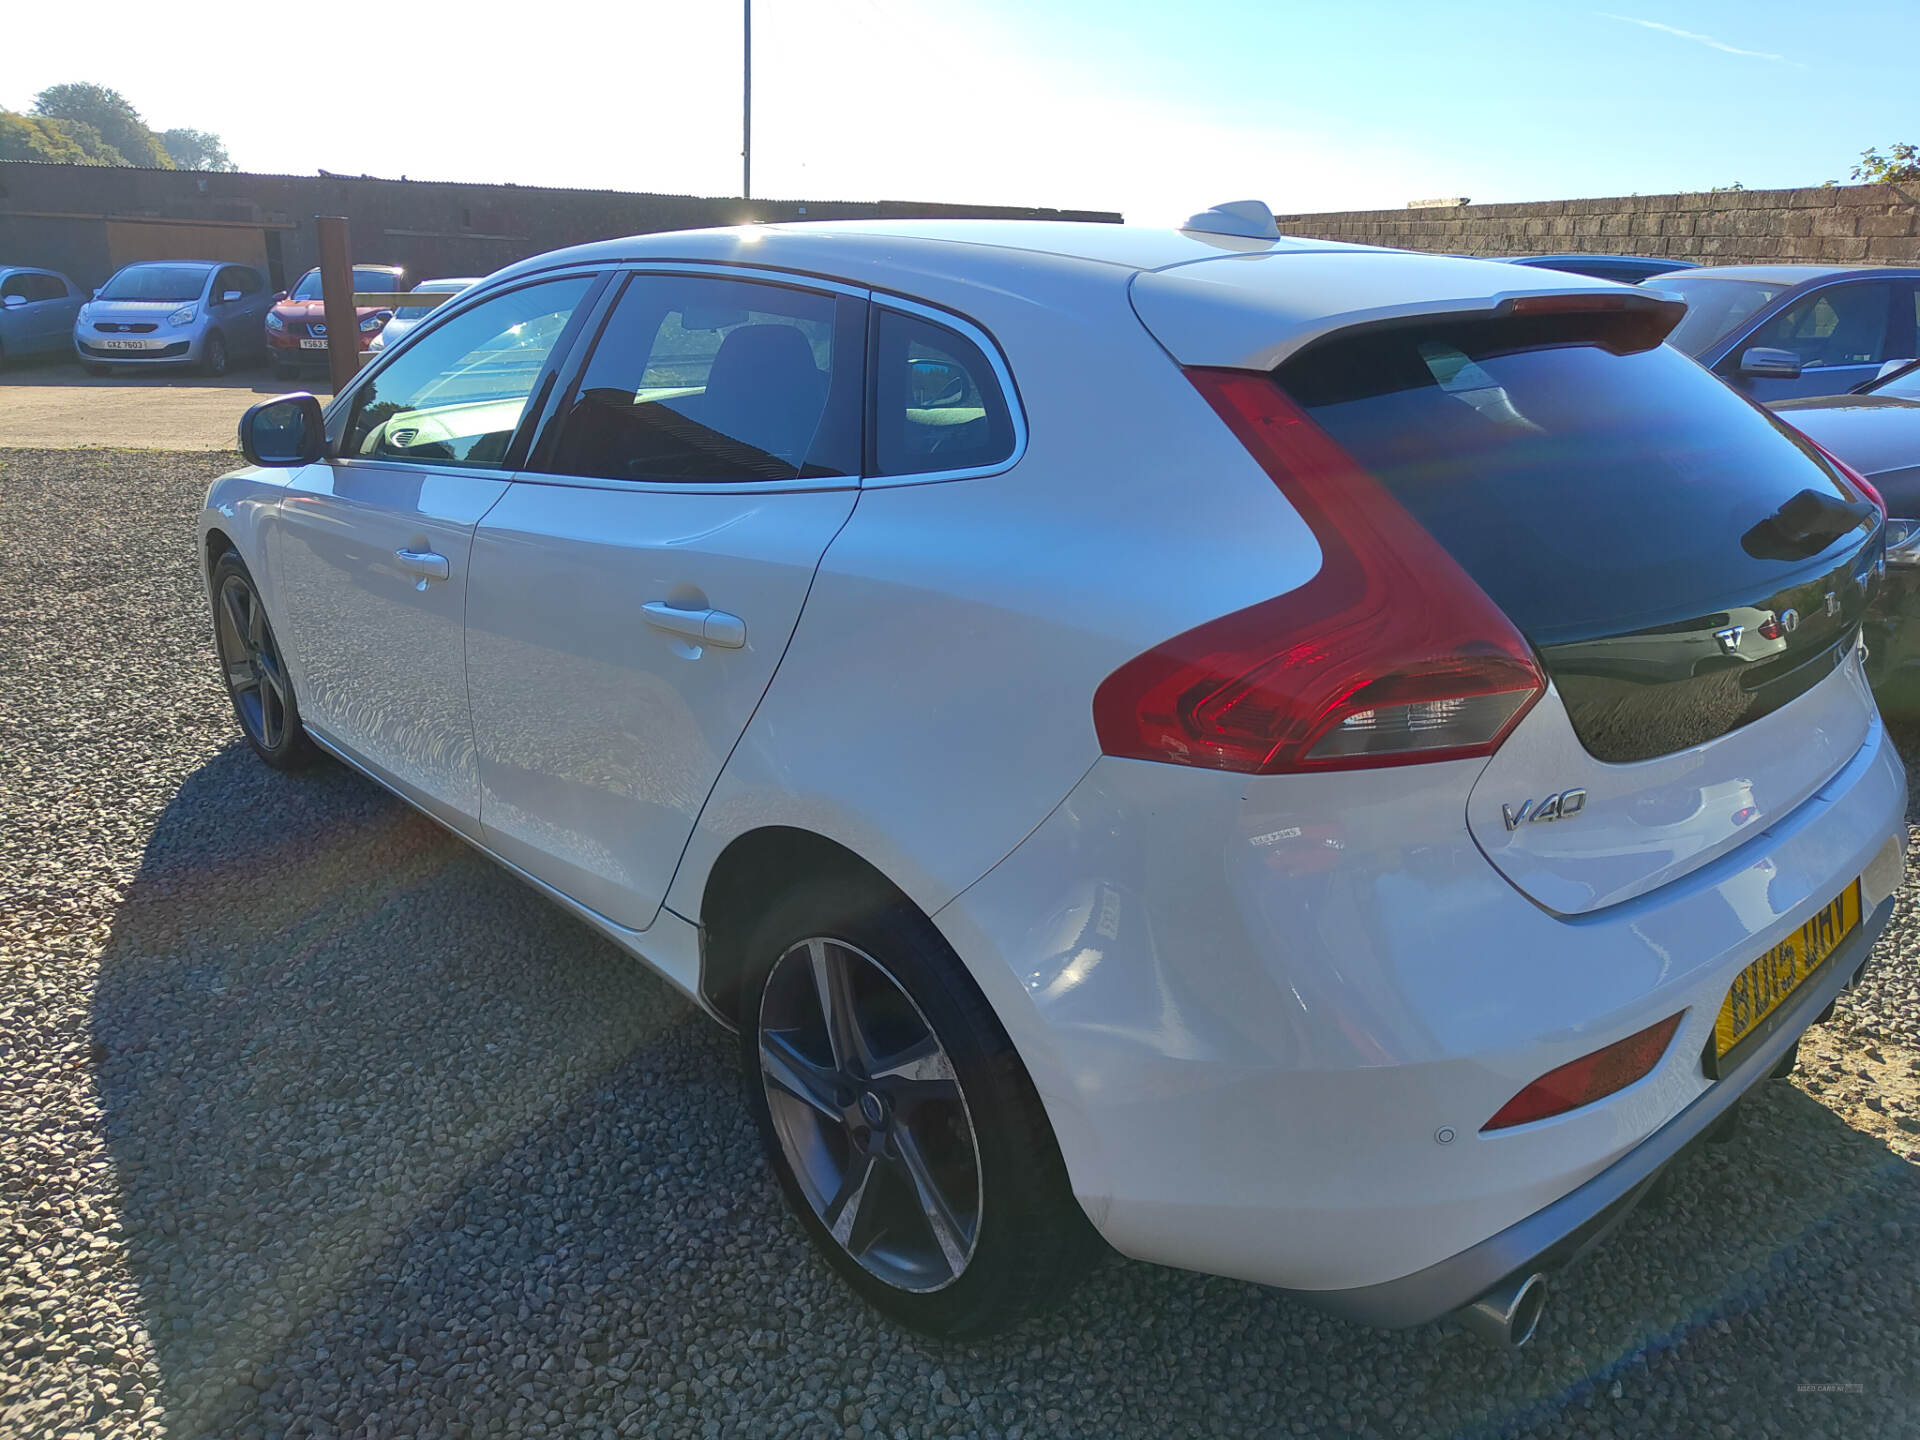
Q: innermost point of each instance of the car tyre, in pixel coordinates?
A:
(253, 671)
(952, 1214)
(213, 355)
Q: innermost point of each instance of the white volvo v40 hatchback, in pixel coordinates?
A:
(1322, 765)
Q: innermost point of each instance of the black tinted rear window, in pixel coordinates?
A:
(1588, 492)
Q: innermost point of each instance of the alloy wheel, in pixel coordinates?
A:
(870, 1115)
(251, 661)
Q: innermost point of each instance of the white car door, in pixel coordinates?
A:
(633, 592)
(371, 546)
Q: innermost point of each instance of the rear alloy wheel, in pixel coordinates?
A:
(256, 678)
(213, 354)
(905, 1132)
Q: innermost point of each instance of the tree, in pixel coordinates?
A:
(1900, 163)
(108, 112)
(196, 150)
(60, 142)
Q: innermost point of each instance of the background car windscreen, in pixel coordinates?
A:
(1714, 306)
(367, 282)
(157, 283)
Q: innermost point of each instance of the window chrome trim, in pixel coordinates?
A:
(1002, 374)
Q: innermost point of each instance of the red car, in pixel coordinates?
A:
(297, 326)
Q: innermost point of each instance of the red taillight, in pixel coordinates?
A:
(1854, 478)
(1389, 655)
(1590, 1078)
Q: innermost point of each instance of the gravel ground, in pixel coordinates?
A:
(313, 1123)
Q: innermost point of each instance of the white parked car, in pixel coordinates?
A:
(1118, 721)
(405, 317)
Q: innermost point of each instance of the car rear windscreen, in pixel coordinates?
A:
(1616, 495)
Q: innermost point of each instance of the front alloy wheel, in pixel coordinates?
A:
(256, 678)
(870, 1115)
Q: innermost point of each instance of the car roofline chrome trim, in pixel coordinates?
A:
(1557, 1232)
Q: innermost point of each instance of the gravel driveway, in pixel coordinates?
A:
(312, 1122)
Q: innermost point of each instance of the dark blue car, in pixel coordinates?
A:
(1776, 331)
(1627, 269)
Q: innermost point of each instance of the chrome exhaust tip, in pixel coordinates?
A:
(1506, 1316)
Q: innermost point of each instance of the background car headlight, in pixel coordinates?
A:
(82, 316)
(274, 322)
(182, 316)
(373, 323)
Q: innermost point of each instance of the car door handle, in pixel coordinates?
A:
(424, 563)
(709, 627)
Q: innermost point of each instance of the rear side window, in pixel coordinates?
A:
(937, 404)
(1590, 493)
(705, 380)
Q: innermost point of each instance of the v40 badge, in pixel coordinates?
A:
(1563, 806)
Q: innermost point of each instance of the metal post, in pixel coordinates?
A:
(336, 291)
(746, 104)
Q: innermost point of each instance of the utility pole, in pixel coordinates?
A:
(746, 103)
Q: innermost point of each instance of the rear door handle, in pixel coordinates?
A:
(709, 627)
(424, 563)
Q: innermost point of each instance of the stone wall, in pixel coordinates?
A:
(87, 220)
(1840, 224)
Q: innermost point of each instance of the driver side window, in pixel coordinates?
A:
(456, 395)
(1841, 325)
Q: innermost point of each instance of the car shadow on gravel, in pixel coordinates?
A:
(403, 1149)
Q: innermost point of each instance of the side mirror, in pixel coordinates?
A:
(1762, 362)
(1903, 544)
(229, 297)
(283, 432)
(278, 296)
(13, 302)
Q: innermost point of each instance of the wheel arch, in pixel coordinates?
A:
(750, 874)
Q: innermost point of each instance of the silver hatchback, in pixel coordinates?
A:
(200, 313)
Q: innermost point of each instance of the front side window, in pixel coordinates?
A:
(937, 402)
(1842, 325)
(703, 379)
(19, 283)
(46, 287)
(457, 396)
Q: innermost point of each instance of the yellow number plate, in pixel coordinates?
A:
(1764, 986)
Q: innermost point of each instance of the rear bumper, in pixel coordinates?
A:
(1268, 1016)
(1557, 1233)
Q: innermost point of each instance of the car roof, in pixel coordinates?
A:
(138, 264)
(1133, 247)
(448, 282)
(1793, 274)
(1551, 260)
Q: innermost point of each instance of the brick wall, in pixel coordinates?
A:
(63, 217)
(1842, 224)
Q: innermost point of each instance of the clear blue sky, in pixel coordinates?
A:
(1147, 106)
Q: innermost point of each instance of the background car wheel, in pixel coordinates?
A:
(213, 354)
(250, 663)
(905, 1132)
